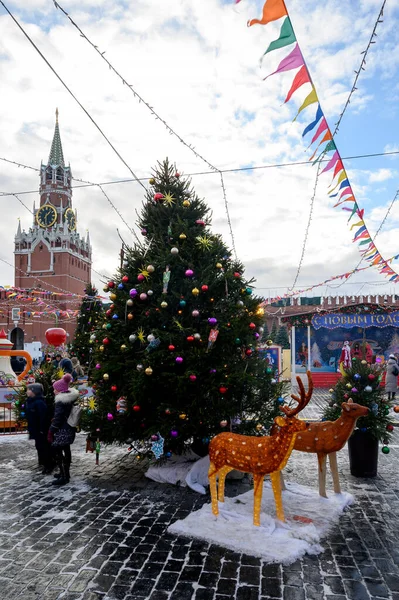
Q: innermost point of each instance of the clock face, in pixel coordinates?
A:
(70, 219)
(46, 216)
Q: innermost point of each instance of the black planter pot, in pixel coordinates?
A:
(363, 454)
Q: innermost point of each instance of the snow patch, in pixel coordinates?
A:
(61, 528)
(60, 515)
(8, 517)
(308, 519)
(13, 438)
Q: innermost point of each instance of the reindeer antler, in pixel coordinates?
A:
(304, 397)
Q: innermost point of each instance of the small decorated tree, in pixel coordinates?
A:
(273, 333)
(282, 338)
(362, 383)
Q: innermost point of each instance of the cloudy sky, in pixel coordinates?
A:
(197, 63)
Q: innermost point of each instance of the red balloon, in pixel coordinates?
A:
(56, 336)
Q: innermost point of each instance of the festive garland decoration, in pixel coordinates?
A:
(340, 187)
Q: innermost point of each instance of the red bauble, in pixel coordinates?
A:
(222, 389)
(252, 326)
(108, 313)
(167, 411)
(111, 284)
(237, 274)
(200, 222)
(371, 377)
(106, 341)
(136, 408)
(171, 347)
(56, 336)
(158, 197)
(204, 288)
(125, 279)
(113, 388)
(390, 427)
(177, 175)
(248, 352)
(190, 338)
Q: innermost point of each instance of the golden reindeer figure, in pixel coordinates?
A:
(326, 438)
(257, 455)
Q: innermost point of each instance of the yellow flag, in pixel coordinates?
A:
(341, 177)
(310, 99)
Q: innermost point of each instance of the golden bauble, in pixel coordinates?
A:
(130, 316)
(219, 265)
(105, 376)
(183, 416)
(186, 203)
(195, 291)
(123, 347)
(129, 302)
(148, 371)
(164, 304)
(104, 326)
(259, 427)
(364, 362)
(106, 289)
(112, 296)
(348, 385)
(102, 348)
(182, 236)
(151, 181)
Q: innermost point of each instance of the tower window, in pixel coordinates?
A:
(60, 175)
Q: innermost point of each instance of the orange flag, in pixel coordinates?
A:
(272, 10)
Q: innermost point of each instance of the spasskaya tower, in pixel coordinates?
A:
(51, 257)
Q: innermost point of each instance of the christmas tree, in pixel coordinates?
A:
(282, 338)
(176, 358)
(273, 333)
(90, 314)
(266, 333)
(362, 384)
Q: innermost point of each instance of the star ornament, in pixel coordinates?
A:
(204, 242)
(141, 335)
(169, 199)
(92, 403)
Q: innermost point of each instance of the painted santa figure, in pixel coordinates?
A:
(345, 358)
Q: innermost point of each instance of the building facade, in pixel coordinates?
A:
(52, 260)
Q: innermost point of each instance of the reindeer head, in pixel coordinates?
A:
(290, 422)
(353, 410)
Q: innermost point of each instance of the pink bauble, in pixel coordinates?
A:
(179, 360)
(193, 377)
(195, 313)
(189, 273)
(110, 417)
(212, 321)
(140, 277)
(158, 196)
(143, 296)
(200, 222)
(98, 366)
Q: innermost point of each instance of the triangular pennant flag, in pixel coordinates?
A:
(310, 99)
(344, 183)
(322, 127)
(341, 177)
(338, 167)
(286, 37)
(327, 136)
(356, 225)
(300, 78)
(292, 61)
(272, 10)
(331, 163)
(330, 146)
(319, 114)
(365, 242)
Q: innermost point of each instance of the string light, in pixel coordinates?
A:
(157, 117)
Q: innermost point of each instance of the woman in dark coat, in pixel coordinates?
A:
(61, 435)
(38, 424)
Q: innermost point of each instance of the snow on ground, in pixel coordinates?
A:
(308, 519)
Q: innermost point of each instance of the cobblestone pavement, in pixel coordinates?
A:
(104, 535)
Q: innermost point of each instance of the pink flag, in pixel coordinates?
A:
(300, 78)
(292, 61)
(322, 127)
(331, 162)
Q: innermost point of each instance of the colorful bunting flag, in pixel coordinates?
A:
(292, 61)
(285, 38)
(272, 10)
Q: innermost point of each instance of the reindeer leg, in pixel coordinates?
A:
(332, 457)
(212, 474)
(282, 482)
(258, 490)
(322, 474)
(222, 476)
(276, 485)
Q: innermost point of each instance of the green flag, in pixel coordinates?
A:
(287, 37)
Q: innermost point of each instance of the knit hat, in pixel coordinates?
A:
(36, 388)
(75, 361)
(62, 385)
(392, 356)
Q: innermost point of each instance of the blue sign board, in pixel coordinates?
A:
(347, 321)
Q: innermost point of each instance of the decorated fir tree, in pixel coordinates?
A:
(282, 338)
(273, 333)
(265, 334)
(176, 357)
(362, 383)
(90, 313)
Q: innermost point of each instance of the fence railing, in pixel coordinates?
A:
(8, 421)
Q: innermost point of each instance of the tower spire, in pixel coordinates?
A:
(56, 155)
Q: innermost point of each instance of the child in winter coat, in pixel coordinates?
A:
(61, 435)
(391, 378)
(38, 422)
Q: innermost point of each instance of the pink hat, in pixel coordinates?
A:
(62, 385)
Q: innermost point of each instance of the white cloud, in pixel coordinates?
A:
(381, 175)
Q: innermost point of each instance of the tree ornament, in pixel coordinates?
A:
(174, 433)
(240, 303)
(150, 337)
(132, 338)
(219, 265)
(133, 293)
(212, 321)
(269, 342)
(139, 367)
(237, 341)
(348, 385)
(129, 302)
(213, 336)
(256, 334)
(136, 408)
(371, 377)
(252, 326)
(195, 313)
(182, 236)
(195, 291)
(182, 303)
(193, 377)
(261, 330)
(154, 437)
(204, 288)
(368, 389)
(200, 222)
(105, 288)
(150, 268)
(174, 251)
(150, 292)
(390, 427)
(130, 316)
(222, 389)
(364, 362)
(115, 317)
(165, 279)
(179, 360)
(171, 347)
(106, 377)
(143, 296)
(237, 274)
(158, 197)
(331, 390)
(385, 450)
(223, 423)
(396, 409)
(114, 388)
(110, 417)
(197, 336)
(151, 181)
(111, 284)
(144, 232)
(113, 296)
(354, 390)
(189, 273)
(102, 348)
(259, 427)
(123, 347)
(248, 291)
(140, 277)
(148, 371)
(248, 352)
(98, 366)
(190, 338)
(106, 341)
(167, 411)
(357, 376)
(121, 286)
(164, 304)
(186, 203)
